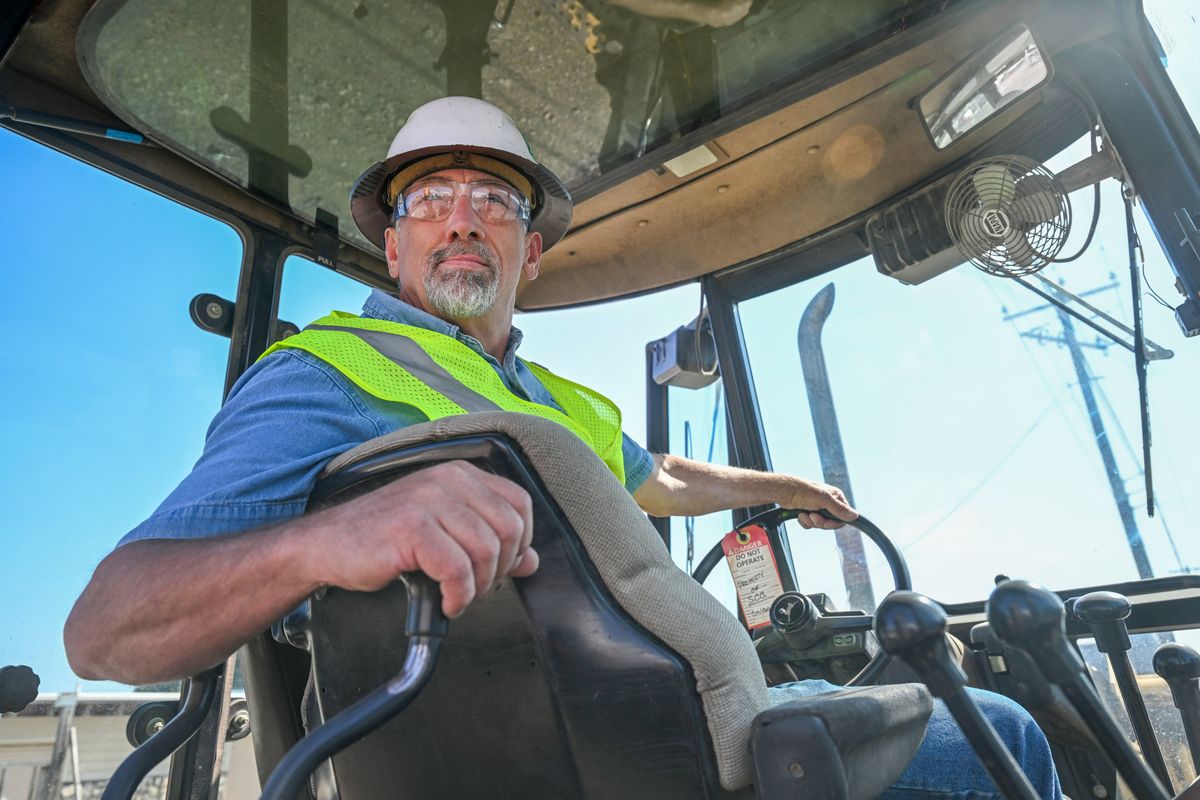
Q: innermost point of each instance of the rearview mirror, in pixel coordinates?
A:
(1007, 69)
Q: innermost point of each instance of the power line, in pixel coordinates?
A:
(990, 473)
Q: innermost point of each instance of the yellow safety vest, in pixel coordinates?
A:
(440, 377)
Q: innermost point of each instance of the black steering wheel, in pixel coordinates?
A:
(816, 625)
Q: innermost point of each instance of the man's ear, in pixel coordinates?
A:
(533, 256)
(392, 251)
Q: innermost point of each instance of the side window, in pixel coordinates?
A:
(604, 347)
(109, 389)
(310, 291)
(698, 431)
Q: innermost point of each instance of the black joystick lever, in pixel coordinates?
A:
(913, 628)
(425, 627)
(1105, 613)
(1179, 666)
(1033, 618)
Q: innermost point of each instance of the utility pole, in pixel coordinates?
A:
(1124, 509)
(1099, 432)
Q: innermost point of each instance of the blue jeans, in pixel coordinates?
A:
(945, 766)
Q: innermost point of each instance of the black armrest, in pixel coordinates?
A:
(845, 745)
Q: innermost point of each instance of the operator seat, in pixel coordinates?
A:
(608, 673)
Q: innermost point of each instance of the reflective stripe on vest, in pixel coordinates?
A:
(441, 377)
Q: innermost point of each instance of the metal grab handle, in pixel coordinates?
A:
(198, 699)
(425, 626)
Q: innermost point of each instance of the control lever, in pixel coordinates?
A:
(1033, 618)
(425, 626)
(913, 628)
(1105, 613)
(1179, 666)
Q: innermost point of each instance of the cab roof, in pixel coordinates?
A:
(688, 148)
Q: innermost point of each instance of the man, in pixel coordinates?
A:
(463, 213)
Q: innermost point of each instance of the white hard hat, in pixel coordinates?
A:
(460, 133)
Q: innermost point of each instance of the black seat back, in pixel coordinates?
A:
(545, 687)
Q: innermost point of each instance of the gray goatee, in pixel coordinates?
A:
(461, 293)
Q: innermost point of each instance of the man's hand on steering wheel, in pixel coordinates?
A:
(817, 496)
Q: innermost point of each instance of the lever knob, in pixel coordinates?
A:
(1096, 607)
(1176, 663)
(913, 628)
(1179, 666)
(1033, 618)
(1105, 613)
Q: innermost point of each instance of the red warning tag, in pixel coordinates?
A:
(755, 574)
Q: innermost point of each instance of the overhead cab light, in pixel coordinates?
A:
(691, 161)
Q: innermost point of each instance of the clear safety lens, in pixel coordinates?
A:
(493, 202)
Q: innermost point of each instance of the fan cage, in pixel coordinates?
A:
(1008, 215)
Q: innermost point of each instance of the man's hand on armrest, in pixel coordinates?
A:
(161, 609)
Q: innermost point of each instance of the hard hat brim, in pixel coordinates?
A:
(551, 216)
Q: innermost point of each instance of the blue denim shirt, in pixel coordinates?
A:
(289, 414)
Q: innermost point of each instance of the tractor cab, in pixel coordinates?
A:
(942, 254)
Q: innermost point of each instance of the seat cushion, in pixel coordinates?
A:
(634, 564)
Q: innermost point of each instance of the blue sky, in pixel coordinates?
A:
(965, 440)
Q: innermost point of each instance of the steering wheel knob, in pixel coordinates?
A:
(792, 611)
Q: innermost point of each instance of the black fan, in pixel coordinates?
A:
(1008, 215)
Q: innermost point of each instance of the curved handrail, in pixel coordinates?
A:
(425, 626)
(198, 699)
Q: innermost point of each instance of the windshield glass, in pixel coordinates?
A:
(297, 104)
(977, 435)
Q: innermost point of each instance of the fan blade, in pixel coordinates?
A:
(1019, 250)
(1037, 200)
(1035, 209)
(994, 184)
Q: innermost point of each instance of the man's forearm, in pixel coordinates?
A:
(680, 486)
(158, 610)
(683, 487)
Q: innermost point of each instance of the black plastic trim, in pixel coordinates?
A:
(1167, 614)
(13, 18)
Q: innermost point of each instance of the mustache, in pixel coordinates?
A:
(458, 248)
